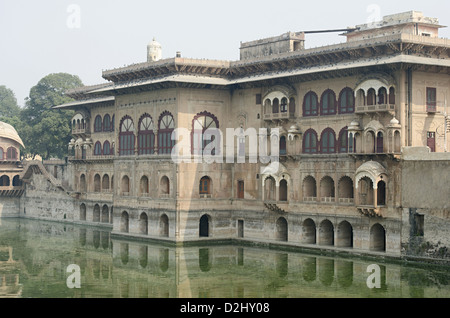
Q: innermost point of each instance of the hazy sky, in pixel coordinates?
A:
(83, 37)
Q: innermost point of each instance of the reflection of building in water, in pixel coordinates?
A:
(347, 114)
(9, 274)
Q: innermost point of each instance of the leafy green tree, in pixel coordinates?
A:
(8, 103)
(44, 130)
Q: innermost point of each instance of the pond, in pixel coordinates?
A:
(40, 259)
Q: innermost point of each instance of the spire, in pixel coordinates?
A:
(154, 51)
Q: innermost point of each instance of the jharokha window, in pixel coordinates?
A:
(126, 137)
(201, 123)
(166, 128)
(11, 153)
(328, 141)
(310, 105)
(328, 103)
(98, 124)
(98, 149)
(346, 101)
(310, 142)
(107, 123)
(146, 136)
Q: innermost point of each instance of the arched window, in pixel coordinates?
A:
(382, 96)
(144, 185)
(98, 149)
(346, 101)
(275, 106)
(97, 183)
(2, 156)
(107, 148)
(328, 103)
(371, 97)
(205, 185)
(105, 182)
(126, 137)
(202, 122)
(380, 146)
(11, 153)
(166, 126)
(283, 146)
(107, 123)
(98, 124)
(283, 105)
(146, 136)
(125, 186)
(83, 186)
(328, 141)
(343, 141)
(392, 95)
(310, 105)
(283, 191)
(310, 142)
(164, 185)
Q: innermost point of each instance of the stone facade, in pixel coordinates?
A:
(343, 112)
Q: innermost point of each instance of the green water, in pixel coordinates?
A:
(35, 255)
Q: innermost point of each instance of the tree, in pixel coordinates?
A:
(44, 130)
(8, 103)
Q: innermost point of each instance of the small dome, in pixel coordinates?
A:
(8, 131)
(394, 122)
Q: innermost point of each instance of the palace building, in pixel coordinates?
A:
(346, 115)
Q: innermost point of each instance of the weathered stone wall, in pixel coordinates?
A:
(426, 203)
(9, 207)
(45, 201)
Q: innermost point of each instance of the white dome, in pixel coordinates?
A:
(8, 131)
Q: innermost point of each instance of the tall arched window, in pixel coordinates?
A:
(98, 149)
(11, 153)
(310, 104)
(310, 142)
(146, 136)
(328, 141)
(328, 103)
(346, 101)
(343, 141)
(166, 127)
(107, 123)
(392, 95)
(202, 122)
(126, 137)
(98, 124)
(371, 97)
(283, 151)
(284, 105)
(2, 156)
(107, 148)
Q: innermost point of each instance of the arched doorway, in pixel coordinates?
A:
(377, 238)
(309, 232)
(83, 212)
(143, 223)
(204, 226)
(282, 230)
(164, 226)
(105, 214)
(344, 235)
(326, 233)
(124, 222)
(96, 215)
